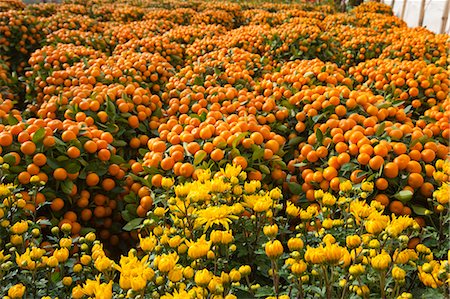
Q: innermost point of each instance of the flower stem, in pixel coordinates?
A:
(327, 282)
(382, 284)
(275, 278)
(300, 288)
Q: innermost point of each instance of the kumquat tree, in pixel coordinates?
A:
(222, 149)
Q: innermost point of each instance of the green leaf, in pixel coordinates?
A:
(404, 196)
(151, 170)
(319, 136)
(421, 211)
(264, 169)
(86, 230)
(199, 158)
(55, 277)
(110, 109)
(348, 166)
(12, 120)
(39, 135)
(198, 80)
(67, 186)
(133, 224)
(117, 159)
(119, 143)
(143, 151)
(73, 167)
(398, 103)
(380, 129)
(258, 152)
(295, 188)
(130, 198)
(52, 162)
(295, 141)
(238, 139)
(126, 216)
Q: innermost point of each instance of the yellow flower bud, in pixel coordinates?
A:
(245, 270)
(295, 244)
(274, 249)
(345, 186)
(202, 277)
(166, 263)
(235, 275)
(216, 236)
(85, 259)
(16, 291)
(367, 186)
(77, 268)
(398, 273)
(90, 237)
(52, 262)
(353, 241)
(237, 190)
(381, 261)
(356, 270)
(175, 241)
(327, 223)
(275, 193)
(270, 230)
(182, 249)
(147, 244)
(188, 272)
(176, 274)
(77, 292)
(299, 267)
(167, 183)
(20, 227)
(329, 239)
(328, 199)
(138, 283)
(67, 281)
(66, 227)
(159, 212)
(16, 240)
(210, 255)
(65, 242)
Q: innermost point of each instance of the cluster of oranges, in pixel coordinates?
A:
(118, 96)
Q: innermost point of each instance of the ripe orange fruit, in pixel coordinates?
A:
(383, 199)
(57, 204)
(60, 174)
(390, 170)
(73, 152)
(355, 176)
(239, 160)
(92, 179)
(415, 180)
(90, 146)
(146, 202)
(329, 173)
(376, 162)
(381, 184)
(428, 155)
(6, 139)
(186, 170)
(39, 159)
(396, 207)
(217, 154)
(272, 145)
(67, 136)
(24, 177)
(167, 163)
(28, 148)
